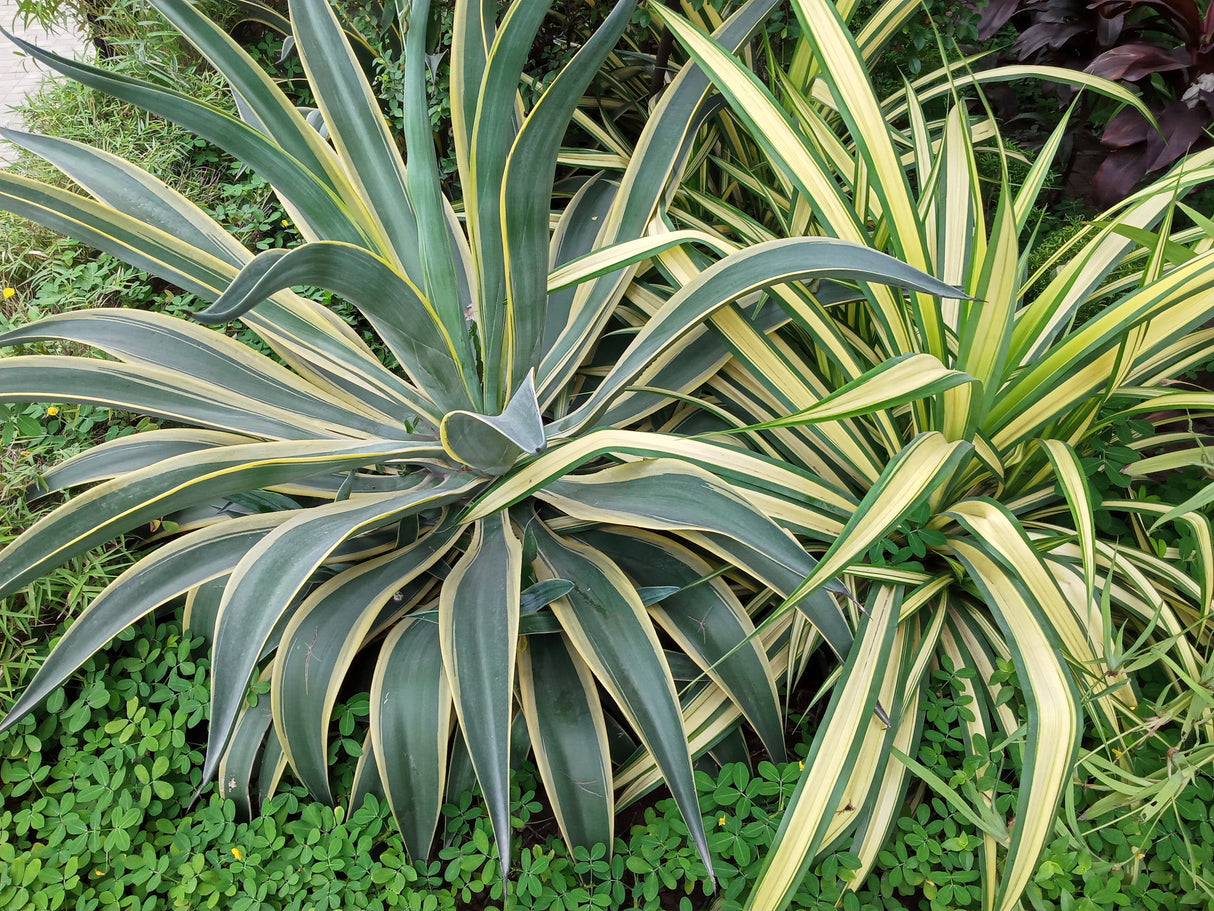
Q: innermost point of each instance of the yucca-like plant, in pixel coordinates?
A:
(986, 479)
(507, 525)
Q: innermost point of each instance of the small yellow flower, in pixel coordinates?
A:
(52, 411)
(9, 292)
(237, 854)
(286, 223)
(98, 873)
(721, 821)
(801, 765)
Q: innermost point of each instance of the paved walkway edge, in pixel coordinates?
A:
(21, 75)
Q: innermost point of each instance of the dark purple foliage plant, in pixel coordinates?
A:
(1164, 47)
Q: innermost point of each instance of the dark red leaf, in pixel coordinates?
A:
(1182, 126)
(1108, 29)
(1183, 14)
(1042, 36)
(994, 15)
(1116, 176)
(1134, 61)
(1126, 128)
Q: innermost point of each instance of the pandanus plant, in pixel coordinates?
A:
(508, 525)
(974, 538)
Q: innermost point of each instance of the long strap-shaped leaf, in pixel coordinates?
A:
(1053, 714)
(673, 122)
(132, 191)
(128, 189)
(705, 617)
(302, 190)
(1080, 364)
(472, 30)
(150, 340)
(478, 616)
(786, 378)
(404, 318)
(573, 238)
(115, 232)
(569, 739)
(236, 769)
(170, 571)
(1074, 485)
(844, 69)
(650, 175)
(710, 715)
(986, 323)
(771, 263)
(783, 144)
(1087, 260)
(926, 463)
(321, 642)
(884, 804)
(930, 87)
(120, 184)
(1199, 526)
(663, 494)
(701, 358)
(781, 490)
(526, 198)
(436, 233)
(411, 729)
(273, 573)
(129, 501)
(836, 743)
(607, 624)
(319, 346)
(872, 753)
(891, 383)
(130, 453)
(357, 128)
(311, 339)
(609, 259)
(280, 118)
(156, 392)
(1068, 620)
(492, 133)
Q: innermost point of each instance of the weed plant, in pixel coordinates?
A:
(30, 437)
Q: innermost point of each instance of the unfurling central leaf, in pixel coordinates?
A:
(492, 443)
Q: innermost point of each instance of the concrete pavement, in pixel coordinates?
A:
(20, 75)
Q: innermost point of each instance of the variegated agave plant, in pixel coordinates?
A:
(984, 472)
(510, 524)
